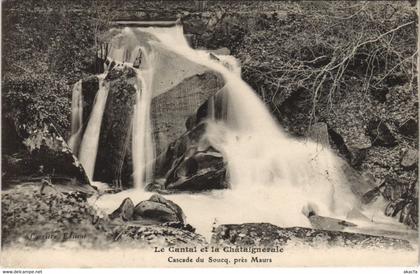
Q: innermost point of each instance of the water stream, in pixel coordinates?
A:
(274, 177)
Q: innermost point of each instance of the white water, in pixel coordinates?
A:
(90, 140)
(143, 148)
(77, 117)
(274, 178)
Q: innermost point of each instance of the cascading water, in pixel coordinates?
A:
(77, 118)
(274, 178)
(143, 149)
(89, 143)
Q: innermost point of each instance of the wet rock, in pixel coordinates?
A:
(202, 171)
(192, 164)
(119, 72)
(43, 152)
(380, 133)
(409, 158)
(353, 148)
(170, 110)
(357, 153)
(159, 209)
(409, 128)
(124, 211)
(90, 87)
(268, 235)
(113, 160)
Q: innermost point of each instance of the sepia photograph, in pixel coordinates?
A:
(209, 133)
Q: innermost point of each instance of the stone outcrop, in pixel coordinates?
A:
(37, 154)
(160, 210)
(112, 161)
(171, 109)
(155, 210)
(124, 211)
(380, 133)
(192, 164)
(268, 235)
(351, 145)
(29, 211)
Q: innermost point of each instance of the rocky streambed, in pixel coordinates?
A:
(45, 216)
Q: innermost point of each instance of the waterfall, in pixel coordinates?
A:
(274, 178)
(143, 148)
(260, 156)
(76, 118)
(89, 145)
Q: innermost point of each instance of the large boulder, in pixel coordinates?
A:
(171, 109)
(353, 145)
(192, 164)
(112, 160)
(124, 211)
(158, 209)
(38, 153)
(381, 133)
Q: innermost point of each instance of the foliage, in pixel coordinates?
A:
(327, 48)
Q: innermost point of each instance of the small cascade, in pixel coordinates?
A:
(89, 143)
(143, 148)
(76, 118)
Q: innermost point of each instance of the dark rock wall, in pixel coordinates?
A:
(171, 109)
(116, 128)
